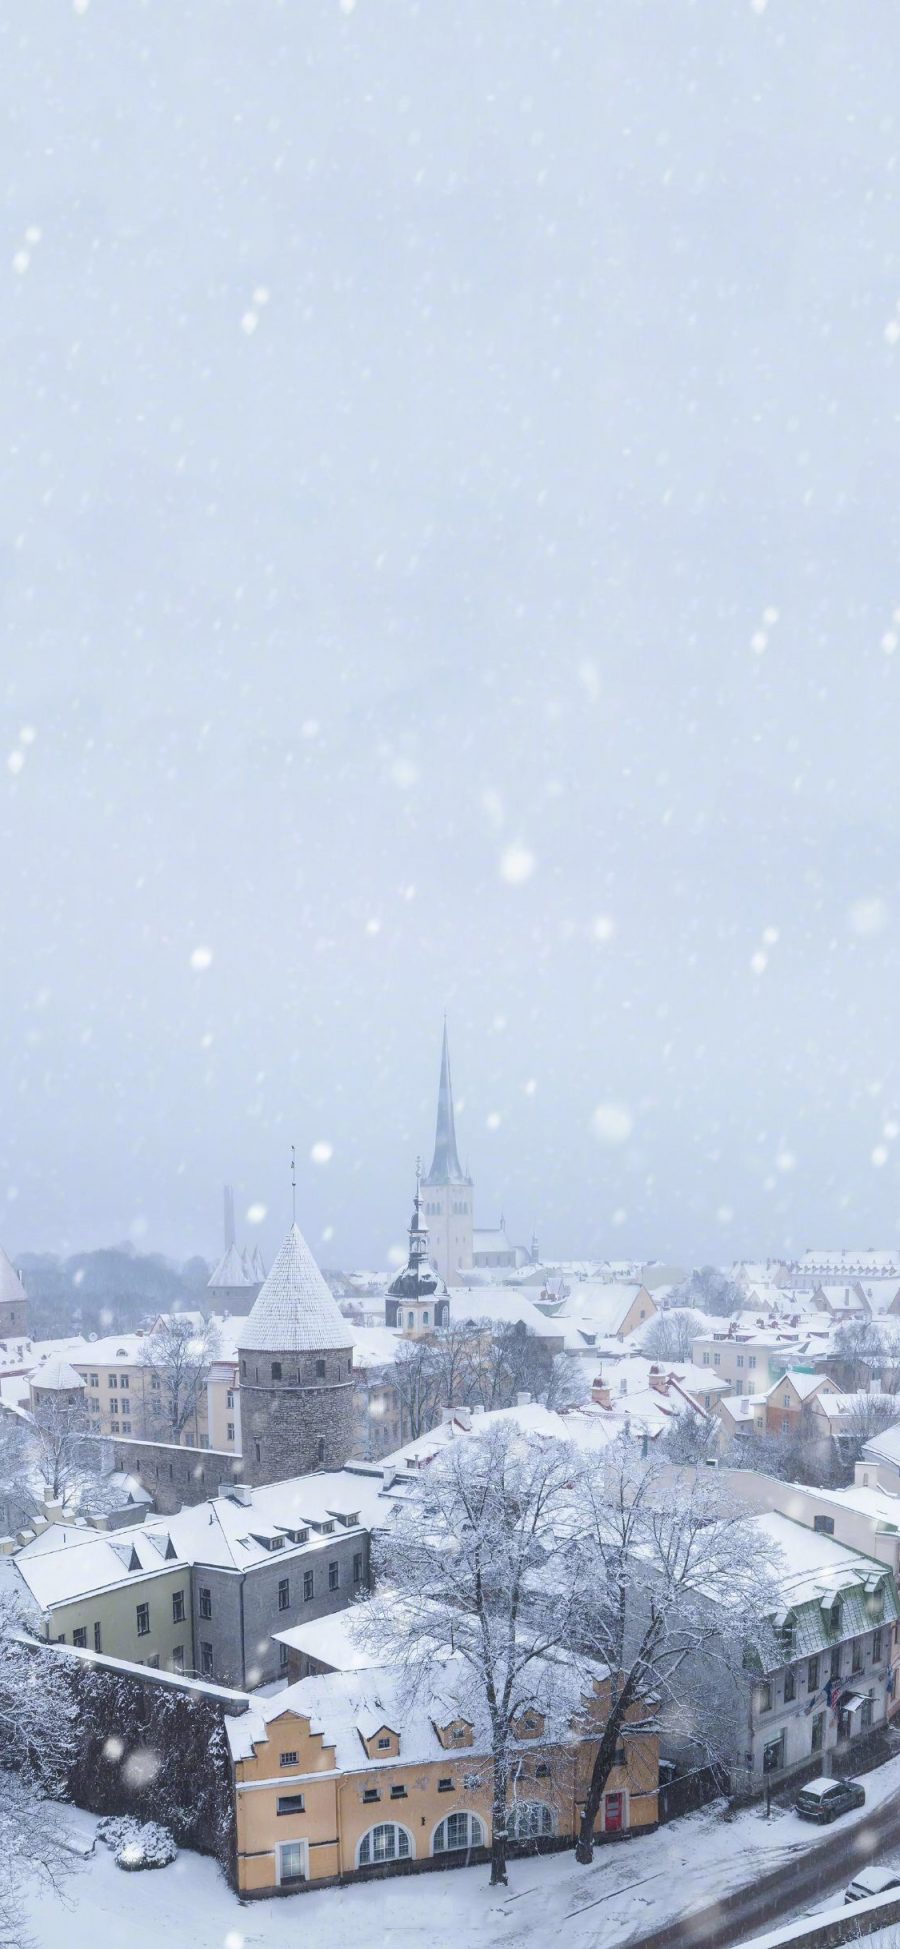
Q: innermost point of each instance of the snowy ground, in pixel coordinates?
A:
(628, 1891)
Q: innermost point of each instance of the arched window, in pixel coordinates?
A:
(529, 1820)
(456, 1831)
(384, 1843)
(424, 1323)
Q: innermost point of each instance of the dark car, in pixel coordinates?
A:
(824, 1800)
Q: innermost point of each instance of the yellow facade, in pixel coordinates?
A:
(112, 1620)
(324, 1829)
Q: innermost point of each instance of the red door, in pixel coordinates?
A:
(615, 1813)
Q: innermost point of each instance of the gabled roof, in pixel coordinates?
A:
(56, 1373)
(295, 1312)
(232, 1270)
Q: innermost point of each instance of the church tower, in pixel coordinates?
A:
(416, 1299)
(449, 1193)
(296, 1367)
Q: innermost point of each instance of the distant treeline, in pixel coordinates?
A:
(109, 1291)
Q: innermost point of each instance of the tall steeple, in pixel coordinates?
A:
(445, 1164)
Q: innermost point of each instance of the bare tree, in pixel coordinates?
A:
(867, 1349)
(178, 1355)
(868, 1415)
(490, 1515)
(671, 1336)
(672, 1582)
(421, 1387)
(712, 1290)
(61, 1452)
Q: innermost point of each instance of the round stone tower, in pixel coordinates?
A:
(296, 1372)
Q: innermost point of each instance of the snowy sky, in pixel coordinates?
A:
(449, 557)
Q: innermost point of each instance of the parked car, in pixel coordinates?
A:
(871, 1881)
(824, 1800)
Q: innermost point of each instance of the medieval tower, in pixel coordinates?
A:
(296, 1355)
(448, 1193)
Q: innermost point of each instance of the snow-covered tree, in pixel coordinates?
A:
(178, 1354)
(672, 1583)
(868, 1415)
(458, 1571)
(421, 1389)
(670, 1336)
(61, 1447)
(37, 1740)
(710, 1289)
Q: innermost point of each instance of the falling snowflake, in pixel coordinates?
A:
(201, 959)
(516, 865)
(256, 1214)
(868, 917)
(322, 1152)
(612, 1123)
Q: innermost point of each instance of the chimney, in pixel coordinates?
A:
(659, 1382)
(523, 1400)
(600, 1394)
(241, 1492)
(387, 1477)
(623, 1384)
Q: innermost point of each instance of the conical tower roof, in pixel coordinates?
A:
(445, 1164)
(295, 1312)
(11, 1287)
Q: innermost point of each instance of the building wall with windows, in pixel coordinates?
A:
(235, 1612)
(304, 1814)
(142, 1621)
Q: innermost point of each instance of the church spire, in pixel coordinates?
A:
(445, 1165)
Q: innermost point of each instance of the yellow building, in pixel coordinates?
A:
(125, 1592)
(332, 1779)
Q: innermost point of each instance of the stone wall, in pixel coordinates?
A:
(172, 1475)
(295, 1418)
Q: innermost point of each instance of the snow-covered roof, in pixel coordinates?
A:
(503, 1307)
(56, 1375)
(231, 1270)
(295, 1311)
(348, 1707)
(69, 1561)
(11, 1287)
(805, 1385)
(330, 1640)
(601, 1306)
(882, 1264)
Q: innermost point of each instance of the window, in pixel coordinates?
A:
(155, 1382)
(398, 1793)
(371, 1793)
(824, 1525)
(229, 1399)
(529, 1821)
(740, 1360)
(876, 1646)
(461, 1830)
(178, 1658)
(321, 1449)
(112, 1380)
(258, 1452)
(445, 1786)
(276, 1370)
(773, 1754)
(229, 1431)
(866, 1714)
(153, 1662)
(836, 1662)
(384, 1744)
(98, 1638)
(751, 1360)
(284, 1594)
(292, 1862)
(205, 1601)
(790, 1687)
(114, 1426)
(334, 1575)
(384, 1843)
(764, 1698)
(288, 1759)
(79, 1635)
(818, 1733)
(706, 1360)
(717, 1359)
(320, 1370)
(95, 1380)
(812, 1675)
(178, 1607)
(124, 1381)
(856, 1662)
(283, 1657)
(308, 1585)
(289, 1803)
(126, 1427)
(357, 1567)
(143, 1620)
(206, 1659)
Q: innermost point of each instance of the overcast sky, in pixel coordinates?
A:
(449, 530)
